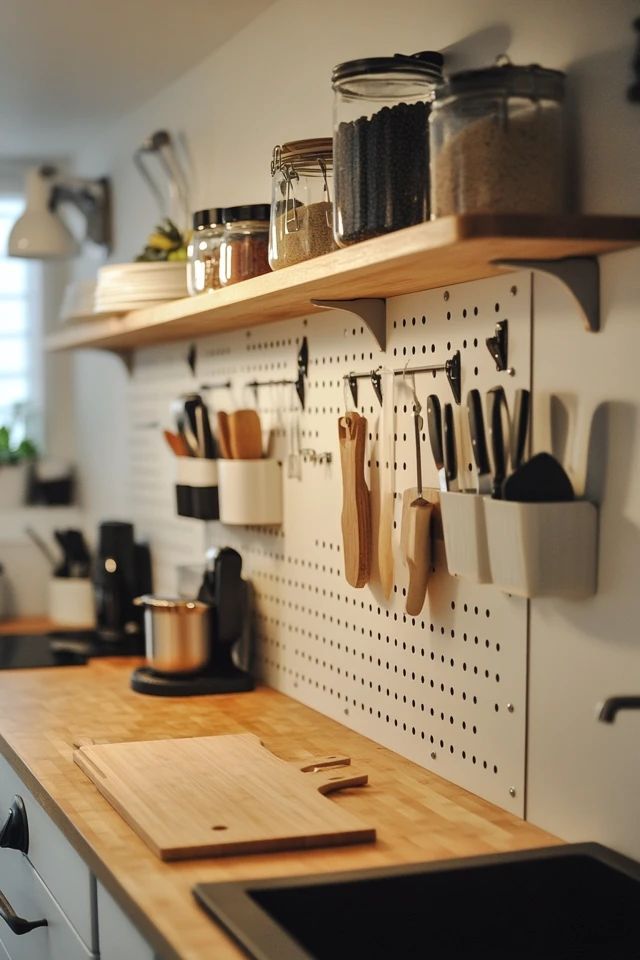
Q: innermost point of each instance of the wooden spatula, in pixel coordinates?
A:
(356, 508)
(224, 443)
(245, 435)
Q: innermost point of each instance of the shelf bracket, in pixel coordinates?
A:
(371, 310)
(581, 275)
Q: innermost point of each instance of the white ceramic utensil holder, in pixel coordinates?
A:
(13, 485)
(197, 488)
(250, 492)
(543, 549)
(71, 601)
(465, 536)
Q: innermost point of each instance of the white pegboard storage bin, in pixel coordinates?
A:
(250, 492)
(465, 536)
(543, 549)
(197, 488)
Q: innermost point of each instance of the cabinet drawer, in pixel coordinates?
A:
(117, 936)
(61, 868)
(31, 900)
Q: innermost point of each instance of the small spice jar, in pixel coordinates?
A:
(245, 243)
(301, 201)
(497, 142)
(380, 143)
(203, 251)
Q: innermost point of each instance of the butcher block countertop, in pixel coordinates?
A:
(44, 714)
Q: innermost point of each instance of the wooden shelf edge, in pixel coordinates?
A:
(429, 255)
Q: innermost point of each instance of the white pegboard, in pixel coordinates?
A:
(447, 689)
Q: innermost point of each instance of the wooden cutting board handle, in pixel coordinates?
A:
(356, 508)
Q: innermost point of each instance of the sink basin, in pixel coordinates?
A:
(573, 901)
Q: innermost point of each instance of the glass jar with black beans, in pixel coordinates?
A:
(380, 143)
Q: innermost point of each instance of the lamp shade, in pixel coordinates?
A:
(39, 233)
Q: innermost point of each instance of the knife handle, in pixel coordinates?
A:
(434, 426)
(449, 442)
(476, 429)
(519, 428)
(497, 413)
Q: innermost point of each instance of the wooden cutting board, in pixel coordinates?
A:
(215, 796)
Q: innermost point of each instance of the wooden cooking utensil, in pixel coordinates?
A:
(177, 443)
(245, 435)
(387, 456)
(415, 533)
(356, 508)
(224, 443)
(216, 796)
(415, 546)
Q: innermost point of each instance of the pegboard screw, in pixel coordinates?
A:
(433, 755)
(446, 295)
(512, 791)
(510, 707)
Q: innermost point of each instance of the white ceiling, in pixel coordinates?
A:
(67, 65)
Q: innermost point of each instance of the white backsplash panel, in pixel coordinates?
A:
(447, 689)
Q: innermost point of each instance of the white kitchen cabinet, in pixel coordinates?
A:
(31, 900)
(61, 869)
(118, 937)
(52, 882)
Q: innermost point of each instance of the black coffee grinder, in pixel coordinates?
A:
(228, 666)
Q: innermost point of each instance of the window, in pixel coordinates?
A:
(19, 325)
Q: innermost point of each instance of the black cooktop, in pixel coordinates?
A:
(24, 651)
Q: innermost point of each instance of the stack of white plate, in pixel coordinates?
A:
(131, 286)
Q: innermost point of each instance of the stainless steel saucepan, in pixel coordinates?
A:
(176, 634)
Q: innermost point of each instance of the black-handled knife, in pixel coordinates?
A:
(519, 428)
(434, 427)
(498, 419)
(449, 443)
(479, 441)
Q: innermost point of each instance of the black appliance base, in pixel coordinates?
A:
(146, 680)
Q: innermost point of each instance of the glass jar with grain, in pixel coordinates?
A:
(203, 251)
(497, 142)
(380, 143)
(245, 243)
(301, 201)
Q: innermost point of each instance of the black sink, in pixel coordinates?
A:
(578, 901)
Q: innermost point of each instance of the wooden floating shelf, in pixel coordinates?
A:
(435, 254)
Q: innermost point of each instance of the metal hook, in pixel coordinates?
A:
(376, 380)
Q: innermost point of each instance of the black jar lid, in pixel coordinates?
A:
(212, 217)
(247, 211)
(427, 62)
(532, 81)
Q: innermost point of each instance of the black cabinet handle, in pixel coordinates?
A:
(15, 923)
(14, 832)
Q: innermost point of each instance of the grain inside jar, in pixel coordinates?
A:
(301, 205)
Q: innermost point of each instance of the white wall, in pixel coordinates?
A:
(272, 83)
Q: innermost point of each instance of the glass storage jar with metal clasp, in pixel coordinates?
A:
(203, 251)
(301, 201)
